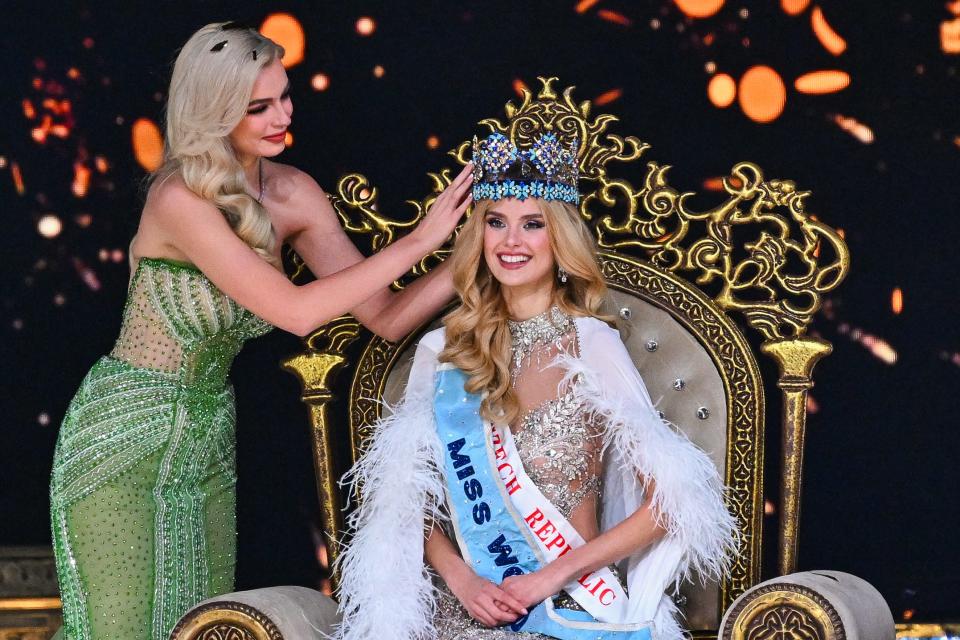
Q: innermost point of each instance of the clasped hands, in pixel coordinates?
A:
(493, 605)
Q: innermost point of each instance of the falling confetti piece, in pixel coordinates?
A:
(954, 7)
(585, 5)
(519, 86)
(699, 8)
(49, 226)
(614, 17)
(896, 301)
(769, 508)
(366, 26)
(433, 142)
(722, 90)
(829, 38)
(286, 31)
(81, 179)
(29, 112)
(288, 139)
(858, 130)
(147, 144)
(17, 178)
(821, 82)
(43, 419)
(378, 71)
(812, 405)
(608, 97)
(763, 95)
(794, 7)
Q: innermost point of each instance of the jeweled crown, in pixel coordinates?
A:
(546, 170)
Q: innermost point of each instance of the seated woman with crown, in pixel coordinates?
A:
(526, 464)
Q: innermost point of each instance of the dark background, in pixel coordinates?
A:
(881, 480)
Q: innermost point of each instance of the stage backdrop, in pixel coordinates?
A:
(856, 101)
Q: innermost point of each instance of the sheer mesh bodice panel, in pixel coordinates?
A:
(177, 321)
(143, 485)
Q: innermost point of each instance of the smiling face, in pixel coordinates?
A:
(262, 130)
(516, 245)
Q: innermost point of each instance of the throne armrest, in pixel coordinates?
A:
(824, 604)
(274, 613)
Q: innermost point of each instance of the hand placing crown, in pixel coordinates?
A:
(546, 170)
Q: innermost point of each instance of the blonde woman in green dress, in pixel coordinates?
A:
(142, 492)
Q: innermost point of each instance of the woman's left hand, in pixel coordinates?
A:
(531, 588)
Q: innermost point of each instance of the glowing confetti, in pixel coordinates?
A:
(878, 347)
(366, 26)
(288, 139)
(716, 184)
(769, 508)
(820, 82)
(320, 82)
(43, 419)
(433, 142)
(17, 178)
(763, 95)
(286, 31)
(812, 405)
(29, 112)
(147, 144)
(954, 7)
(614, 17)
(699, 8)
(608, 97)
(896, 301)
(73, 73)
(858, 130)
(83, 220)
(585, 5)
(829, 38)
(722, 90)
(87, 275)
(378, 71)
(101, 164)
(49, 226)
(794, 7)
(81, 179)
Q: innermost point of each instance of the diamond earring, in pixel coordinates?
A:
(562, 275)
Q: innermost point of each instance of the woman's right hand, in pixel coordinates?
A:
(486, 603)
(445, 212)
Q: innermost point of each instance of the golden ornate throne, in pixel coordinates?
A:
(688, 285)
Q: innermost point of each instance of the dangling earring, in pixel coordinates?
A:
(562, 275)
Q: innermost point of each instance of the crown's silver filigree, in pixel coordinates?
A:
(546, 170)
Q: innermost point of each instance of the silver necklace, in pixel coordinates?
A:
(533, 336)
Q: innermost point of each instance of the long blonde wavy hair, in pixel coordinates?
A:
(477, 335)
(209, 93)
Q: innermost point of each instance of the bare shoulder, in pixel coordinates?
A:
(170, 198)
(293, 198)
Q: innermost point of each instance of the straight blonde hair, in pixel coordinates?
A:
(477, 334)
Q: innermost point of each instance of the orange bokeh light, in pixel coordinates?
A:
(147, 144)
(287, 32)
(950, 36)
(519, 86)
(615, 17)
(699, 8)
(320, 82)
(818, 82)
(288, 139)
(433, 142)
(81, 179)
(722, 90)
(794, 7)
(379, 71)
(584, 5)
(829, 38)
(896, 301)
(608, 97)
(763, 95)
(366, 26)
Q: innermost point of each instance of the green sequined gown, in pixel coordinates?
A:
(142, 491)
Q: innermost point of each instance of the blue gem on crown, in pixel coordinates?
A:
(546, 170)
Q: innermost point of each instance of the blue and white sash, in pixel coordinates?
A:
(505, 526)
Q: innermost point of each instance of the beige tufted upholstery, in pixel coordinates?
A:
(664, 352)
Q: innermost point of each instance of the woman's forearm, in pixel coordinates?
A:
(443, 556)
(418, 302)
(636, 532)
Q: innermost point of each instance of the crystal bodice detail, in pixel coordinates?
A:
(556, 441)
(177, 321)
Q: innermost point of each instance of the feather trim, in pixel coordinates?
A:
(386, 590)
(688, 494)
